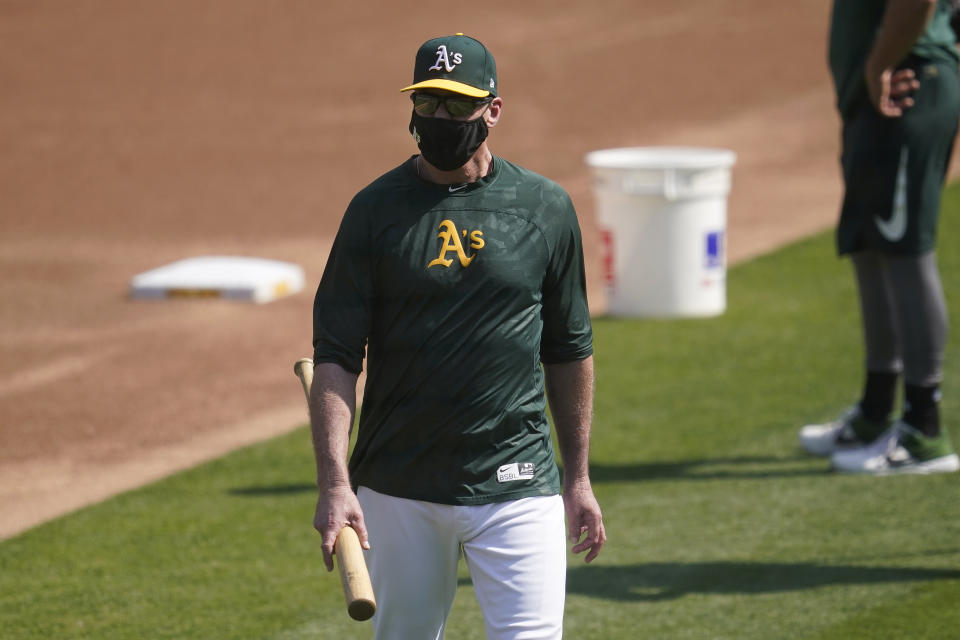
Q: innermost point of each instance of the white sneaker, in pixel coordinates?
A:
(838, 435)
(901, 449)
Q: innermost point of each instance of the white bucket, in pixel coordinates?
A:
(662, 213)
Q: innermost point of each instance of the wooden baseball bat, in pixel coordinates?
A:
(354, 577)
(357, 589)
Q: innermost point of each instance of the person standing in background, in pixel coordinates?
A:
(894, 65)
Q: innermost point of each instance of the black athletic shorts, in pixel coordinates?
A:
(894, 168)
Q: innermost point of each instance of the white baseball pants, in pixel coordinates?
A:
(515, 551)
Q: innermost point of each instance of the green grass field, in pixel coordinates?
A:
(718, 526)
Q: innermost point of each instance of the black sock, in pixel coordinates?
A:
(921, 408)
(879, 392)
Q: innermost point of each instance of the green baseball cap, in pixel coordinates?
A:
(455, 63)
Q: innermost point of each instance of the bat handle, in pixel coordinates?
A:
(357, 589)
(304, 370)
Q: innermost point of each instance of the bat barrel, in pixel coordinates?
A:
(362, 609)
(357, 589)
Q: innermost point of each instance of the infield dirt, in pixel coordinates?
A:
(136, 133)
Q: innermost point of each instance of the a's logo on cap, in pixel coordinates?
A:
(443, 60)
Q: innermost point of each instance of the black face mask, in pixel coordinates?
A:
(447, 144)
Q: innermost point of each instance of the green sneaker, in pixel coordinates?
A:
(902, 449)
(850, 431)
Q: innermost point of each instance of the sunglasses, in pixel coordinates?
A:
(426, 104)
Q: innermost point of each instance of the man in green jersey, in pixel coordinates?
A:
(460, 276)
(894, 66)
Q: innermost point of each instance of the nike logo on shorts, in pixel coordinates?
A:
(895, 228)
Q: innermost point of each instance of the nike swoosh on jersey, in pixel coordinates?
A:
(895, 228)
(454, 189)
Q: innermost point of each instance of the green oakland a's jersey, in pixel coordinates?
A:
(457, 293)
(853, 27)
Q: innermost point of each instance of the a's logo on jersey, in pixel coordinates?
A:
(443, 60)
(451, 242)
